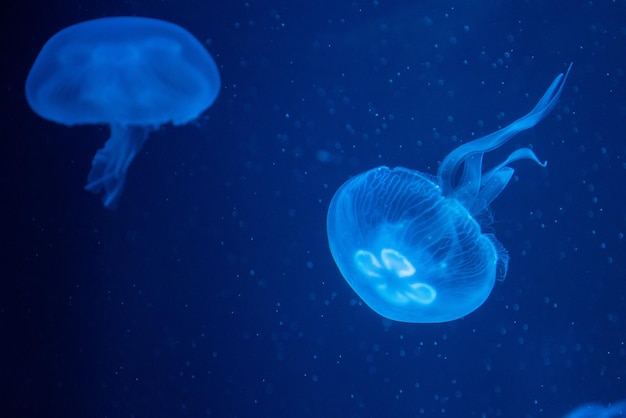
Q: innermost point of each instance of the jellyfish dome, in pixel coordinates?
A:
(408, 243)
(597, 410)
(132, 73)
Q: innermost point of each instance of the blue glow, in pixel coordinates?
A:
(408, 243)
(132, 73)
(596, 410)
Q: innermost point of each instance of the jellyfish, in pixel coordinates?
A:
(132, 73)
(410, 244)
(596, 410)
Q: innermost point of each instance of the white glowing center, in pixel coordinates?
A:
(393, 276)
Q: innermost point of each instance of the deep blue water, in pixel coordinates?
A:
(211, 291)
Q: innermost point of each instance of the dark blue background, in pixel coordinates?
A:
(211, 290)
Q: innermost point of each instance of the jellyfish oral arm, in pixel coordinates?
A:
(495, 180)
(470, 189)
(109, 166)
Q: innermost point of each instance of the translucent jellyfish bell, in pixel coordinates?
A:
(597, 410)
(132, 73)
(408, 243)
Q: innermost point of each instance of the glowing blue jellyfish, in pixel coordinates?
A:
(408, 243)
(132, 73)
(596, 410)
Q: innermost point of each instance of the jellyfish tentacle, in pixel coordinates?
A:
(475, 149)
(111, 162)
(493, 182)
